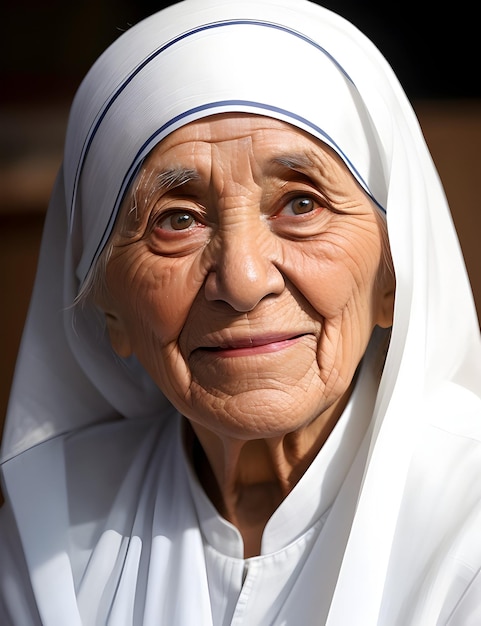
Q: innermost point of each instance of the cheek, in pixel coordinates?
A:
(337, 280)
(154, 295)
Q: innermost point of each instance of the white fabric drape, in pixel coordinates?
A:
(417, 511)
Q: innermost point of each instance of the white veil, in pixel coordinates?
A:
(297, 62)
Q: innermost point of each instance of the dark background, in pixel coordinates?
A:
(49, 45)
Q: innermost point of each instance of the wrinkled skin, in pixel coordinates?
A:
(246, 281)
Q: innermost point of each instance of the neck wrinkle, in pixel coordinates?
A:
(247, 480)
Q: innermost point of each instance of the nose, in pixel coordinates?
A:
(243, 272)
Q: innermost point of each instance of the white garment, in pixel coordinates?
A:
(113, 504)
(412, 557)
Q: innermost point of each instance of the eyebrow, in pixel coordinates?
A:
(175, 177)
(296, 162)
(151, 183)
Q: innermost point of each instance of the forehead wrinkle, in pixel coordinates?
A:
(235, 168)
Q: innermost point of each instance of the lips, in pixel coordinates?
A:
(246, 346)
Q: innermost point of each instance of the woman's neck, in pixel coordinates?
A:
(247, 480)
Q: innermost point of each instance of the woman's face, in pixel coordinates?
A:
(245, 278)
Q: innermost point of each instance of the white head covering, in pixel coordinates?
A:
(297, 62)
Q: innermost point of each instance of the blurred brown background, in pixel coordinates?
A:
(49, 46)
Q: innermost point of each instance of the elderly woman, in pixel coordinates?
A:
(248, 390)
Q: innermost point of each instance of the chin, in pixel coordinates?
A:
(256, 414)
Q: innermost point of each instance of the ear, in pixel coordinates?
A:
(119, 337)
(385, 301)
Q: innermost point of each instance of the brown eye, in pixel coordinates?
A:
(176, 221)
(302, 205)
(299, 205)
